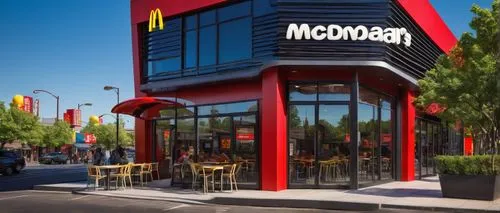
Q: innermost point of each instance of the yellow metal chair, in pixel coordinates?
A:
(195, 174)
(231, 176)
(94, 173)
(155, 168)
(139, 173)
(123, 174)
(147, 170)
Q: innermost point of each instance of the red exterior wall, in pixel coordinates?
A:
(140, 9)
(408, 137)
(273, 132)
(424, 14)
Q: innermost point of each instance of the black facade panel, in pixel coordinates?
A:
(420, 56)
(269, 43)
(326, 12)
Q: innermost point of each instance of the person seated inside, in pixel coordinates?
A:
(183, 157)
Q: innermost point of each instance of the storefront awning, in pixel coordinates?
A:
(137, 106)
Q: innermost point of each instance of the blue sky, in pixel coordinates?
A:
(74, 48)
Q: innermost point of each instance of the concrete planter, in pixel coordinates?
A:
(475, 187)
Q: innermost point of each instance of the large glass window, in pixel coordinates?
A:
(221, 133)
(235, 40)
(196, 43)
(301, 141)
(386, 142)
(334, 92)
(303, 92)
(190, 49)
(234, 11)
(208, 49)
(333, 138)
(368, 146)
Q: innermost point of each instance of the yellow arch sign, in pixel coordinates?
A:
(153, 15)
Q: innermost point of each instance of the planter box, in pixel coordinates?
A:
(476, 187)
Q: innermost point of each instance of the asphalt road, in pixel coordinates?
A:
(43, 174)
(61, 202)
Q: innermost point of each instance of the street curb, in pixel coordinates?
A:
(284, 203)
(55, 189)
(437, 209)
(292, 203)
(289, 203)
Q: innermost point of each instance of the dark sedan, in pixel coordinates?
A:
(53, 158)
(11, 162)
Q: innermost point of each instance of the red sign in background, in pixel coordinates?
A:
(28, 104)
(90, 138)
(245, 136)
(73, 117)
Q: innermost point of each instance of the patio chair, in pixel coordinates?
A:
(94, 173)
(195, 174)
(147, 170)
(123, 174)
(231, 176)
(143, 168)
(155, 169)
(205, 175)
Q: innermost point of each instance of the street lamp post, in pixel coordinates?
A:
(84, 104)
(55, 96)
(117, 90)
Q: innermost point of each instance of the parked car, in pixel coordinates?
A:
(11, 162)
(53, 158)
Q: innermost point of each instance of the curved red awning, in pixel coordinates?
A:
(137, 106)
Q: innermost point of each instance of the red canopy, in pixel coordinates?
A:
(136, 106)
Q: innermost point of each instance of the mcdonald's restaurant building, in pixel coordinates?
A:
(300, 93)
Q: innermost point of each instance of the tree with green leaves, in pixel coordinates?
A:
(106, 135)
(465, 83)
(58, 134)
(17, 125)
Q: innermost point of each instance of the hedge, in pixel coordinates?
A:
(467, 165)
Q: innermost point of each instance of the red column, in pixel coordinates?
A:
(273, 134)
(142, 136)
(408, 137)
(468, 146)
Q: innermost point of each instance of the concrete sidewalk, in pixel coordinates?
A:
(421, 195)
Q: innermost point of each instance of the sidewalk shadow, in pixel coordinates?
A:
(399, 192)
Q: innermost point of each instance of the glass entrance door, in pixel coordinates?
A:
(333, 140)
(318, 144)
(301, 145)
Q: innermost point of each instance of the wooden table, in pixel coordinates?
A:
(107, 169)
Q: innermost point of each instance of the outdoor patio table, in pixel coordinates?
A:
(107, 169)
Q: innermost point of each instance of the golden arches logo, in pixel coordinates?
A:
(153, 15)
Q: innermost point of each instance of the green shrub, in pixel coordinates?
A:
(468, 165)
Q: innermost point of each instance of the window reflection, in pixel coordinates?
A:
(386, 142)
(368, 146)
(234, 11)
(333, 138)
(190, 49)
(207, 45)
(334, 92)
(302, 92)
(301, 144)
(237, 33)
